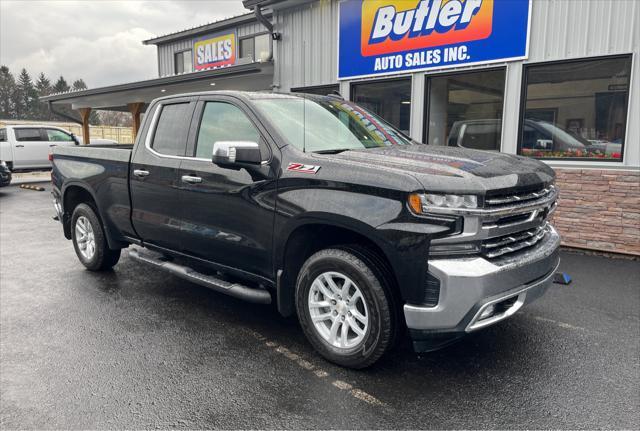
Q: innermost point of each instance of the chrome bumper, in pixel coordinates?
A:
(469, 286)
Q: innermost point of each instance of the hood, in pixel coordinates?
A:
(458, 170)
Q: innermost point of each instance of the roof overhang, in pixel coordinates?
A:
(246, 77)
(203, 29)
(273, 4)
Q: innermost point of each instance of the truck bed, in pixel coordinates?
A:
(103, 171)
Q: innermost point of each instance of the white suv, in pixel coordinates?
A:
(25, 147)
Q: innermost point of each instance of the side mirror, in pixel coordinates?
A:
(75, 139)
(236, 152)
(543, 144)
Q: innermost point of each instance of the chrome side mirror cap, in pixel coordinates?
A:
(236, 152)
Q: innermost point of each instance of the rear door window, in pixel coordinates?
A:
(28, 134)
(170, 137)
(3, 135)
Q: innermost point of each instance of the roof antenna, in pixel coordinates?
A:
(304, 101)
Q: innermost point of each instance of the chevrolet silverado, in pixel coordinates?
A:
(321, 207)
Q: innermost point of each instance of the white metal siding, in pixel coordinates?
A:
(307, 53)
(166, 54)
(582, 28)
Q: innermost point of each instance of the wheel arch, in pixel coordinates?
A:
(74, 194)
(306, 237)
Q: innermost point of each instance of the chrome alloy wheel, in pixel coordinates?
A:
(338, 310)
(85, 238)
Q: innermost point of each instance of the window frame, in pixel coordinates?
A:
(153, 128)
(38, 129)
(263, 141)
(523, 104)
(175, 63)
(354, 84)
(253, 41)
(427, 99)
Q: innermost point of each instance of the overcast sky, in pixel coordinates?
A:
(96, 40)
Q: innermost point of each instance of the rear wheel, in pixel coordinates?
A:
(89, 240)
(344, 307)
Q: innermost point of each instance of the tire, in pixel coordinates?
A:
(315, 297)
(89, 240)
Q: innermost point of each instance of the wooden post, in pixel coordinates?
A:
(135, 109)
(84, 114)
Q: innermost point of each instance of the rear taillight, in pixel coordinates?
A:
(51, 157)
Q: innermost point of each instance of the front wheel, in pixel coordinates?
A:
(344, 307)
(89, 240)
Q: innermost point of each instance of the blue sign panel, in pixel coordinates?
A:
(379, 37)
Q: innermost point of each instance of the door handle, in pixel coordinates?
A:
(20, 146)
(53, 145)
(140, 173)
(191, 179)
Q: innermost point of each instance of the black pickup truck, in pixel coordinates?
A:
(322, 208)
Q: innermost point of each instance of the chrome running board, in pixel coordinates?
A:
(236, 290)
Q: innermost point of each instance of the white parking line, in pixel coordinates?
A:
(560, 324)
(317, 371)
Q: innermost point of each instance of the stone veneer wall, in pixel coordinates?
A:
(599, 209)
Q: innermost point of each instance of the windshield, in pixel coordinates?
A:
(324, 125)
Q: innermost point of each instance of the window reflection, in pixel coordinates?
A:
(465, 110)
(391, 100)
(576, 109)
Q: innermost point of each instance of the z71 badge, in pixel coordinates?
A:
(304, 169)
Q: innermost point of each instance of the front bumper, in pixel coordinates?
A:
(470, 286)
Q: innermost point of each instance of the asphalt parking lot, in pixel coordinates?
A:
(136, 348)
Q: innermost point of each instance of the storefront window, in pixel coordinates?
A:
(465, 110)
(390, 100)
(576, 109)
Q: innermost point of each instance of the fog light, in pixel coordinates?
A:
(487, 312)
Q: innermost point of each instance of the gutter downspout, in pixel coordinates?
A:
(274, 37)
(265, 22)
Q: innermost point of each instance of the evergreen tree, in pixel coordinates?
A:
(78, 85)
(27, 109)
(61, 86)
(7, 91)
(43, 87)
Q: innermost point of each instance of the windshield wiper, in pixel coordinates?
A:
(333, 151)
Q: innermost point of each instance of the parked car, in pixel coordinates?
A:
(5, 174)
(26, 147)
(321, 207)
(537, 135)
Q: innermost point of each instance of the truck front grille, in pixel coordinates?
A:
(498, 200)
(499, 246)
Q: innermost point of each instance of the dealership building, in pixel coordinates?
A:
(556, 80)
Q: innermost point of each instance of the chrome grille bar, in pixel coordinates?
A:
(511, 243)
(518, 197)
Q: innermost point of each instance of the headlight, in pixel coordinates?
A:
(420, 203)
(3, 163)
